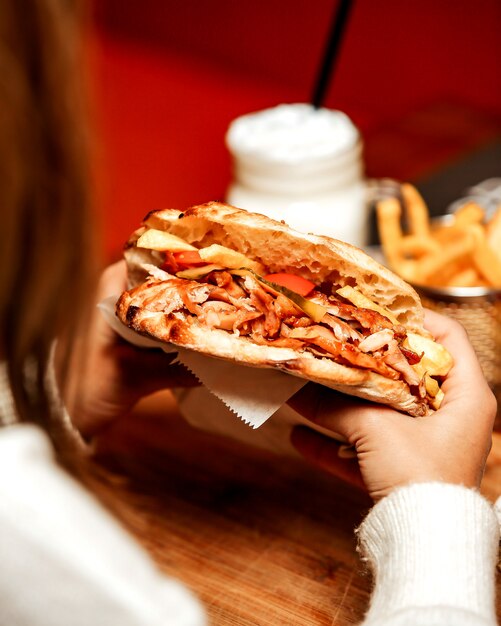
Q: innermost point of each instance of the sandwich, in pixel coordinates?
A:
(239, 286)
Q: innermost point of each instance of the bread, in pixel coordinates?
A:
(279, 248)
(145, 308)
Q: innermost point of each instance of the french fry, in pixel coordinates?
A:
(494, 232)
(390, 232)
(468, 277)
(432, 386)
(416, 211)
(417, 246)
(438, 399)
(449, 271)
(435, 264)
(408, 270)
(446, 233)
(484, 258)
(388, 214)
(464, 252)
(436, 360)
(469, 213)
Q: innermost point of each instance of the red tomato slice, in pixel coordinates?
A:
(300, 285)
(189, 257)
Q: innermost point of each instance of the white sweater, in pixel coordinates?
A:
(433, 550)
(65, 561)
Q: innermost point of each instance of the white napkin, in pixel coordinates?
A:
(65, 560)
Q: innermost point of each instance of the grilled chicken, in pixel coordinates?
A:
(243, 305)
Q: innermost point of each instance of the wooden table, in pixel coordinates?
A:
(262, 540)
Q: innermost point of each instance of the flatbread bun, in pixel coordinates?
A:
(280, 249)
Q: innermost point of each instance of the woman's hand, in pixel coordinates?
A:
(112, 375)
(394, 449)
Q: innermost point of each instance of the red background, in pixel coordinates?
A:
(420, 78)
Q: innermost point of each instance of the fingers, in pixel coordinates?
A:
(180, 376)
(453, 336)
(147, 371)
(306, 400)
(465, 385)
(466, 381)
(324, 453)
(113, 280)
(469, 405)
(347, 417)
(436, 323)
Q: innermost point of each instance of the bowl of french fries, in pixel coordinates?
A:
(453, 262)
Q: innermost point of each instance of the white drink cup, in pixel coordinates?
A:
(301, 165)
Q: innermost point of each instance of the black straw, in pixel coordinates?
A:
(336, 33)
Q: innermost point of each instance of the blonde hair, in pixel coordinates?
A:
(46, 229)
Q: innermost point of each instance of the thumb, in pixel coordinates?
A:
(348, 417)
(147, 371)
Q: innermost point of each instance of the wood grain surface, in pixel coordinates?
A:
(261, 539)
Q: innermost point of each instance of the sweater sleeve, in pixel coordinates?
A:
(432, 548)
(65, 560)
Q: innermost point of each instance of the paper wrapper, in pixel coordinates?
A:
(229, 390)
